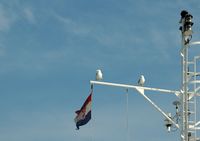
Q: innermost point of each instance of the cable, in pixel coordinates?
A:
(127, 119)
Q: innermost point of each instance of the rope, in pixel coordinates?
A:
(127, 119)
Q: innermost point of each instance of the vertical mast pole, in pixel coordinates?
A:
(186, 30)
(184, 99)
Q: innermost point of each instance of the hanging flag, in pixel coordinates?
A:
(84, 114)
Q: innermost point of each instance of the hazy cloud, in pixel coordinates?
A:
(29, 15)
(73, 26)
(7, 19)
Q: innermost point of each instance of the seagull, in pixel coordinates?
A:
(99, 75)
(141, 80)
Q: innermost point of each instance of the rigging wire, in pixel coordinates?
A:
(127, 119)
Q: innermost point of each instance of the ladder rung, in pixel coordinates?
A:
(192, 130)
(195, 81)
(191, 122)
(190, 72)
(193, 74)
(190, 62)
(191, 112)
(197, 73)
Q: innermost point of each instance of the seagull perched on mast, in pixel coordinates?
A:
(141, 80)
(99, 75)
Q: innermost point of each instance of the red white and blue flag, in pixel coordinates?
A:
(84, 114)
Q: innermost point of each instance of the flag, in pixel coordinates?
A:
(84, 114)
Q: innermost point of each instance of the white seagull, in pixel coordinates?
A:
(141, 80)
(99, 75)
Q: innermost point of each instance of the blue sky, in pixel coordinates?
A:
(50, 50)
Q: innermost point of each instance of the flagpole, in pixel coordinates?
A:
(91, 126)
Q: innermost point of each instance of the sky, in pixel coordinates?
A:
(50, 50)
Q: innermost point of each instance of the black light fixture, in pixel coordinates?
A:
(182, 20)
(183, 13)
(188, 25)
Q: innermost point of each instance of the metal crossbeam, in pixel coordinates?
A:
(177, 93)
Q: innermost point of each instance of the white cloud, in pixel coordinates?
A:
(73, 26)
(29, 15)
(7, 19)
(14, 12)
